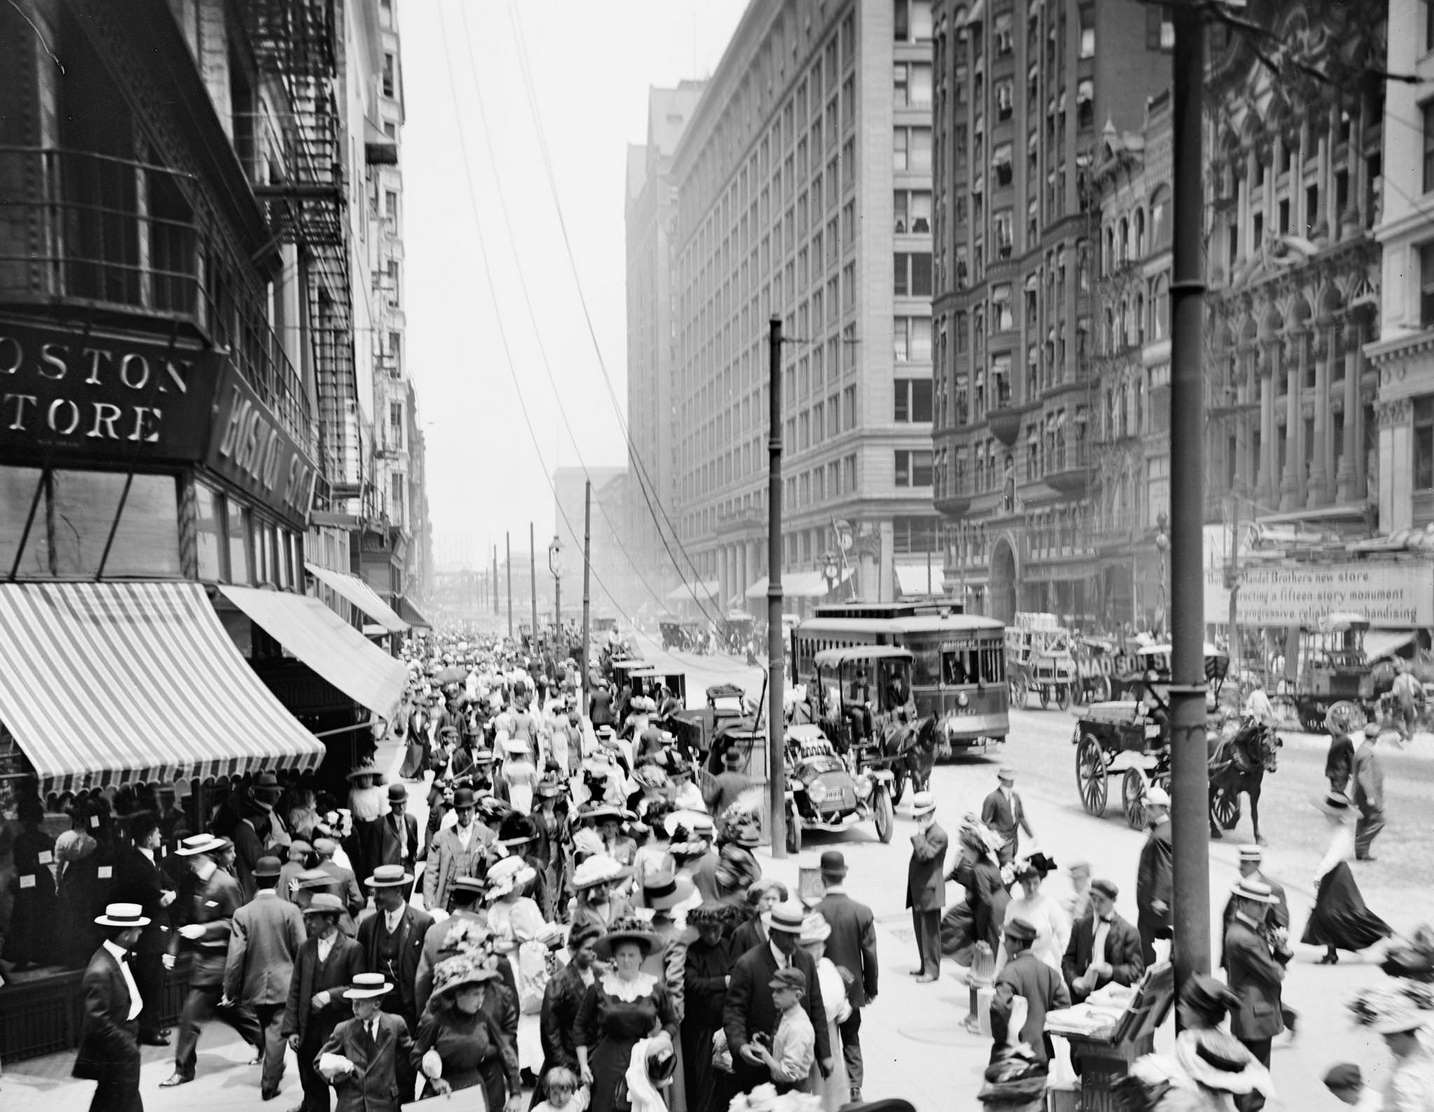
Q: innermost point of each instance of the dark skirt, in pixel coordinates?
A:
(1339, 918)
(415, 758)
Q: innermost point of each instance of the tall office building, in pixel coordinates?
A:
(804, 193)
(650, 216)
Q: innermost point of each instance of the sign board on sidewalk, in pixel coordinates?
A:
(1390, 594)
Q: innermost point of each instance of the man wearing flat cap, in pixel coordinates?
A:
(851, 946)
(1103, 947)
(326, 963)
(1027, 976)
(345, 886)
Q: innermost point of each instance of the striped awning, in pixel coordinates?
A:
(412, 615)
(102, 683)
(327, 645)
(361, 595)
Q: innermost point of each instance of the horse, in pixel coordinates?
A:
(1238, 764)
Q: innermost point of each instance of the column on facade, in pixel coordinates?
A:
(1292, 479)
(1347, 475)
(1318, 493)
(1268, 369)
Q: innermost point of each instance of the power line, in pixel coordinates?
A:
(497, 309)
(644, 478)
(528, 301)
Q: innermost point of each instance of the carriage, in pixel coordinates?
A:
(865, 705)
(1095, 664)
(1039, 659)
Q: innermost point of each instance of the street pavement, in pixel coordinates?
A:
(912, 1035)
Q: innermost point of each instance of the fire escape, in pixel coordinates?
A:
(296, 46)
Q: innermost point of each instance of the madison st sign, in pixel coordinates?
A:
(1390, 594)
(67, 393)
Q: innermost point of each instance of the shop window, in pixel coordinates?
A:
(237, 530)
(1424, 444)
(209, 510)
(19, 488)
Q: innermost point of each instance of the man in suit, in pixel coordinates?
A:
(346, 885)
(1103, 947)
(852, 949)
(1155, 877)
(397, 834)
(267, 934)
(926, 886)
(1005, 814)
(1368, 793)
(749, 1009)
(457, 851)
(377, 1044)
(1277, 918)
(325, 964)
(466, 896)
(206, 930)
(140, 880)
(1254, 971)
(392, 943)
(724, 788)
(1025, 975)
(109, 1047)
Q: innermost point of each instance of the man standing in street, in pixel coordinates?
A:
(851, 946)
(1277, 917)
(728, 784)
(1368, 793)
(1254, 974)
(325, 965)
(926, 886)
(346, 885)
(206, 930)
(1408, 698)
(392, 943)
(1103, 948)
(1028, 977)
(267, 934)
(454, 852)
(109, 1047)
(1005, 814)
(1154, 877)
(398, 835)
(139, 879)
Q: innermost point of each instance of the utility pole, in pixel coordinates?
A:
(533, 578)
(776, 719)
(508, 540)
(1190, 816)
(587, 584)
(1232, 584)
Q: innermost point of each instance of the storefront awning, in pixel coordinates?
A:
(101, 683)
(1379, 643)
(800, 584)
(327, 645)
(911, 579)
(412, 615)
(361, 595)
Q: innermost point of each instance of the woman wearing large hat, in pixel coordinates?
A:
(622, 1006)
(599, 899)
(667, 893)
(1340, 920)
(708, 961)
(459, 1045)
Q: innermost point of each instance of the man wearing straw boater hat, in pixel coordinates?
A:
(392, 943)
(327, 962)
(109, 1030)
(1254, 970)
(364, 1059)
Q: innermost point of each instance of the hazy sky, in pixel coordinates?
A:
(591, 63)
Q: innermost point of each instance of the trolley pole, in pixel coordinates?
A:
(587, 586)
(1190, 817)
(533, 579)
(508, 541)
(776, 720)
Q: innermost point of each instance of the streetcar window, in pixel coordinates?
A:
(925, 665)
(959, 667)
(993, 664)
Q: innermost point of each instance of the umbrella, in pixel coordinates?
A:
(451, 675)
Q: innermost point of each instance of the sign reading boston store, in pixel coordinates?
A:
(251, 449)
(67, 393)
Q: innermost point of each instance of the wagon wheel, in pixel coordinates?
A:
(1063, 696)
(1225, 809)
(898, 783)
(1090, 774)
(1132, 798)
(1045, 696)
(885, 816)
(1078, 694)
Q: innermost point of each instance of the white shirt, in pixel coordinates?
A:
(326, 946)
(783, 960)
(1097, 950)
(136, 1004)
(465, 834)
(391, 919)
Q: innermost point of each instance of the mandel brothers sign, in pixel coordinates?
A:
(1390, 594)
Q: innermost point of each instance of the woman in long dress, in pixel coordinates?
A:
(834, 1090)
(459, 1045)
(1340, 920)
(623, 1006)
(1042, 911)
(668, 895)
(709, 960)
(980, 916)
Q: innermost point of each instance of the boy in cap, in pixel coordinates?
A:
(1025, 975)
(1103, 947)
(1155, 875)
(793, 1049)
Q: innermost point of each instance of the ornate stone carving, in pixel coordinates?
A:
(1394, 412)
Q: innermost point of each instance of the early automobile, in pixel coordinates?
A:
(824, 793)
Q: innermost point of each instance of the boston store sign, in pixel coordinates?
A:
(251, 449)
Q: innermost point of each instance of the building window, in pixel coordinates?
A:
(1427, 111)
(395, 426)
(1002, 29)
(237, 531)
(389, 63)
(913, 469)
(1087, 34)
(912, 339)
(912, 401)
(1426, 285)
(1424, 443)
(912, 277)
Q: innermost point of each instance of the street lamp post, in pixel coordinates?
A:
(554, 552)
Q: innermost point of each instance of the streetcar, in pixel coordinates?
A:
(958, 678)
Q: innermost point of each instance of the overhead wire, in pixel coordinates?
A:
(497, 309)
(645, 483)
(616, 533)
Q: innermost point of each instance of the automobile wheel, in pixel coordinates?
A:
(1225, 809)
(794, 832)
(885, 815)
(1063, 696)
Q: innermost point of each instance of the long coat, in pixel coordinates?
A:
(1006, 817)
(373, 1085)
(387, 850)
(109, 1050)
(411, 929)
(749, 1009)
(447, 861)
(1028, 976)
(312, 977)
(1155, 876)
(1254, 976)
(925, 872)
(212, 906)
(851, 944)
(1122, 952)
(139, 880)
(267, 934)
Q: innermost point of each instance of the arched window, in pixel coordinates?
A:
(1123, 246)
(1160, 218)
(1139, 232)
(1160, 309)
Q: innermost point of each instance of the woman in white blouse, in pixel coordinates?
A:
(1041, 910)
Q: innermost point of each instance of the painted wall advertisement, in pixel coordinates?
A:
(1391, 595)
